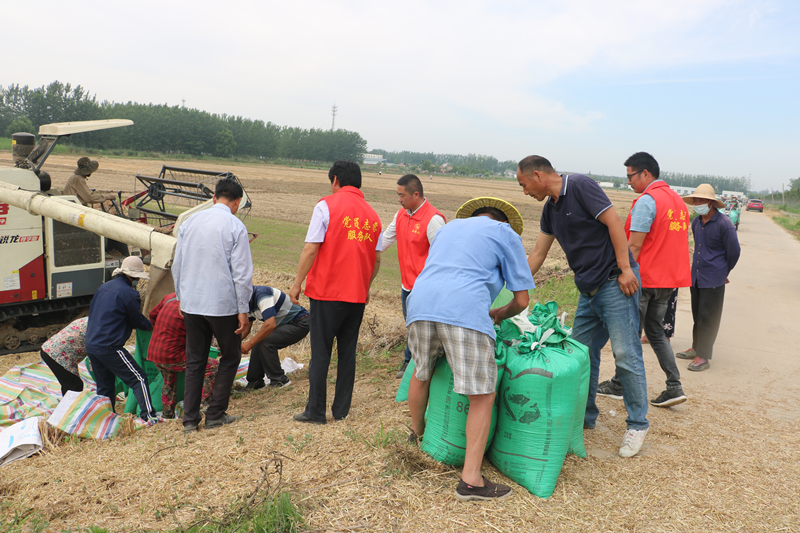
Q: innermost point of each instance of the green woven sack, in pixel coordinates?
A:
(402, 390)
(537, 397)
(445, 436)
(580, 354)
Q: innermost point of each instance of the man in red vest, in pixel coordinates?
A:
(413, 227)
(658, 236)
(341, 257)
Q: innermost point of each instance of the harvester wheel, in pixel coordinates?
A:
(33, 339)
(11, 342)
(52, 331)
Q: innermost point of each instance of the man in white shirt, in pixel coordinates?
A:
(213, 273)
(413, 227)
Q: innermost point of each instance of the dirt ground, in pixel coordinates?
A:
(723, 461)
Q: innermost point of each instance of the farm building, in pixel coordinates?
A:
(373, 159)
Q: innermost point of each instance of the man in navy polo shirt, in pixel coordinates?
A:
(578, 213)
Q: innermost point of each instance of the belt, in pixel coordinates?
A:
(615, 272)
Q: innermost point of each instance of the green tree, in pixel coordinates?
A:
(225, 143)
(20, 125)
(426, 165)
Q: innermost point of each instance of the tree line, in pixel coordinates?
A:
(468, 165)
(170, 129)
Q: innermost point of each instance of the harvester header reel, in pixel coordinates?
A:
(175, 190)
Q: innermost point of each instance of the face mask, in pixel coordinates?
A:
(701, 210)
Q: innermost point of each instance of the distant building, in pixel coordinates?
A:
(607, 184)
(373, 159)
(510, 173)
(447, 167)
(682, 191)
(732, 194)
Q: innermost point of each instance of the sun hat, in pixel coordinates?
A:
(470, 206)
(86, 166)
(704, 191)
(132, 266)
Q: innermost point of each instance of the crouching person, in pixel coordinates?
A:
(113, 314)
(64, 351)
(168, 352)
(284, 324)
(468, 263)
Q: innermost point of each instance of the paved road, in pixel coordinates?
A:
(757, 354)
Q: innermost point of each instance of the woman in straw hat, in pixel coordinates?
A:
(77, 183)
(716, 251)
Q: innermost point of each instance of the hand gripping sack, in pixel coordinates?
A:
(535, 414)
(445, 436)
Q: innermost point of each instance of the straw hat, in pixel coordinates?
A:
(704, 191)
(86, 166)
(132, 266)
(514, 218)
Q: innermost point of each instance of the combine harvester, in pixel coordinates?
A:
(53, 249)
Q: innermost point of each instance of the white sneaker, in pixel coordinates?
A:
(632, 442)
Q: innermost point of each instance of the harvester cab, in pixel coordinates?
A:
(53, 249)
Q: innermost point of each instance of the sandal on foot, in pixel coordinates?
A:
(697, 366)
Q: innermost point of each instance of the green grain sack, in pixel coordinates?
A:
(402, 390)
(536, 411)
(445, 436)
(580, 354)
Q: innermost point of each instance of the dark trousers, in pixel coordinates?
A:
(67, 379)
(119, 363)
(707, 314)
(403, 297)
(264, 356)
(669, 316)
(340, 321)
(653, 305)
(199, 329)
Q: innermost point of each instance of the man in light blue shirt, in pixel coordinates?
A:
(448, 308)
(213, 273)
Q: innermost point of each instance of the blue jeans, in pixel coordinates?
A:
(403, 297)
(611, 314)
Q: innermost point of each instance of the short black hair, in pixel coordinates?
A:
(493, 212)
(228, 188)
(411, 183)
(643, 161)
(347, 172)
(534, 162)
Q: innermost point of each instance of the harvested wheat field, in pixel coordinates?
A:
(723, 461)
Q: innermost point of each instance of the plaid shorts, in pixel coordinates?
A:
(470, 354)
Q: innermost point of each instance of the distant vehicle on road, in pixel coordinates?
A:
(755, 205)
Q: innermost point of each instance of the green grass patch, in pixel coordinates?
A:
(276, 514)
(561, 290)
(279, 244)
(792, 224)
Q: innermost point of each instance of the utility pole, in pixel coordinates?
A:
(183, 102)
(783, 191)
(333, 121)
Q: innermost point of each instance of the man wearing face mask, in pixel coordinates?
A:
(114, 312)
(716, 251)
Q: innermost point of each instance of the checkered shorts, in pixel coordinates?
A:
(470, 354)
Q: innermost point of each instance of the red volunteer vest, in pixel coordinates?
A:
(346, 258)
(664, 259)
(412, 241)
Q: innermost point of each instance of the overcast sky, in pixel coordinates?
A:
(706, 86)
